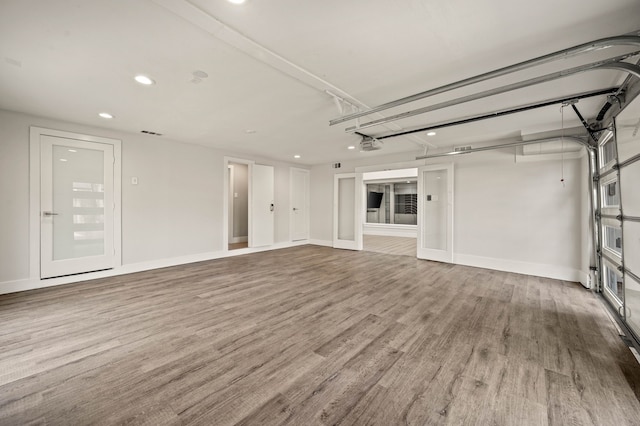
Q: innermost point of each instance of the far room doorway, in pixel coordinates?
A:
(391, 212)
(238, 224)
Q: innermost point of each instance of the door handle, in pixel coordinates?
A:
(271, 207)
(49, 214)
(295, 210)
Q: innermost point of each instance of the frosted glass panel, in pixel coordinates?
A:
(613, 281)
(346, 208)
(627, 134)
(631, 240)
(434, 229)
(630, 192)
(78, 202)
(632, 303)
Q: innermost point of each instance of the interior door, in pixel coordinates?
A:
(435, 213)
(299, 204)
(347, 211)
(262, 206)
(77, 206)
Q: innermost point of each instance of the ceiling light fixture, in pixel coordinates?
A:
(351, 147)
(106, 115)
(431, 134)
(296, 156)
(72, 150)
(143, 79)
(63, 160)
(236, 1)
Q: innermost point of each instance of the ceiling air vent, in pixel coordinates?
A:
(462, 148)
(147, 132)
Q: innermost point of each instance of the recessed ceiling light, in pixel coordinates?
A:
(250, 131)
(72, 150)
(63, 159)
(236, 1)
(431, 134)
(143, 79)
(351, 147)
(296, 156)
(106, 115)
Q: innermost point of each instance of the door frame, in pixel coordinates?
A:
(435, 254)
(359, 213)
(225, 199)
(307, 206)
(34, 192)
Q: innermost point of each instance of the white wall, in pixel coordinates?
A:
(508, 216)
(174, 213)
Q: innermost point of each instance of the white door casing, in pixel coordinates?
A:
(75, 203)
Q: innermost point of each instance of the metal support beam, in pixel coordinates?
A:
(612, 63)
(505, 145)
(624, 40)
(499, 113)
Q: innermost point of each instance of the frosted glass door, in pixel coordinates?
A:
(347, 223)
(435, 213)
(77, 206)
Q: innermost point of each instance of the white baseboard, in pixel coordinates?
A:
(519, 267)
(390, 231)
(324, 243)
(236, 240)
(31, 284)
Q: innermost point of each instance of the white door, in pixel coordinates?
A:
(435, 213)
(347, 211)
(77, 206)
(299, 204)
(262, 206)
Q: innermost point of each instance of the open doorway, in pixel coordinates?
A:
(391, 212)
(238, 224)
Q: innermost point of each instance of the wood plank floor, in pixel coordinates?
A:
(314, 336)
(402, 246)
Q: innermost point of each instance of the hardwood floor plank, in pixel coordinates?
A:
(314, 336)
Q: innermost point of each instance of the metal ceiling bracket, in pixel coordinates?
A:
(612, 63)
(499, 113)
(623, 40)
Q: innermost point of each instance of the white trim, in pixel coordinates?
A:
(390, 175)
(232, 188)
(225, 198)
(34, 192)
(307, 206)
(519, 267)
(391, 230)
(391, 166)
(31, 284)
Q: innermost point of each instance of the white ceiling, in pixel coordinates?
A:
(269, 63)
